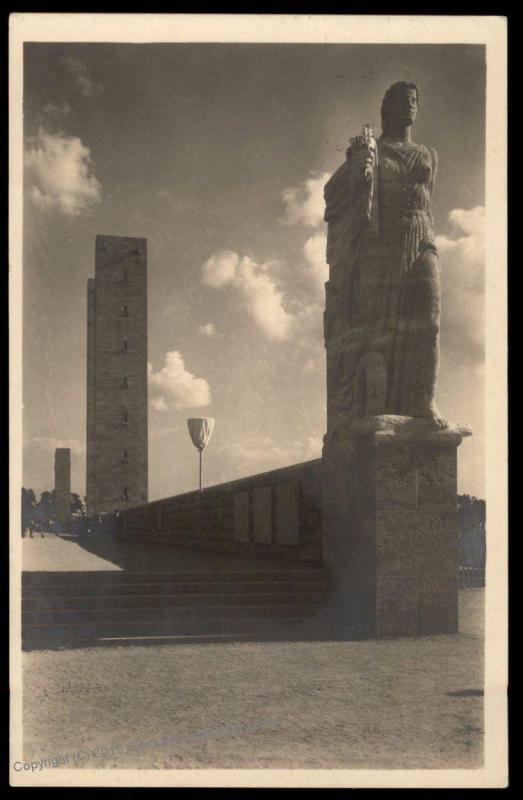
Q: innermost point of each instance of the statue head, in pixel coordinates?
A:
(400, 105)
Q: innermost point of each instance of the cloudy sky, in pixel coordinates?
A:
(218, 154)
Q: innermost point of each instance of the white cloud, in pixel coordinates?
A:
(208, 330)
(462, 269)
(159, 404)
(468, 239)
(304, 205)
(59, 173)
(281, 309)
(220, 269)
(50, 443)
(262, 296)
(84, 83)
(175, 384)
(317, 269)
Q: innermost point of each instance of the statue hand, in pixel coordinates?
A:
(362, 156)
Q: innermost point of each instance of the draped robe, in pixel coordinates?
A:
(378, 230)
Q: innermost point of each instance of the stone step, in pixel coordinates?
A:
(46, 602)
(39, 579)
(113, 616)
(171, 588)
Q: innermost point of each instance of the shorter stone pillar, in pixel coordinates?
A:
(390, 533)
(62, 486)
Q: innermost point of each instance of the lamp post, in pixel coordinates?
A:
(200, 430)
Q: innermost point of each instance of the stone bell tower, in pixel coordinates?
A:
(117, 376)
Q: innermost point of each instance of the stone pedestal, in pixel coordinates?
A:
(390, 533)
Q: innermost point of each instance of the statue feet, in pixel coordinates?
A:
(434, 418)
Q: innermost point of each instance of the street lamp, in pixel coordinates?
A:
(200, 429)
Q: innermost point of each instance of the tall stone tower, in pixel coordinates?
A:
(117, 376)
(62, 485)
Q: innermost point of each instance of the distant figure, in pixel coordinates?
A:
(31, 529)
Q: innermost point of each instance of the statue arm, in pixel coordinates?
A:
(348, 196)
(346, 188)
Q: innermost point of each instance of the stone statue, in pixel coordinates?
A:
(383, 295)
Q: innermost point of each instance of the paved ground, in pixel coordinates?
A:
(391, 704)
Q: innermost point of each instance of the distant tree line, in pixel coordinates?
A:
(41, 514)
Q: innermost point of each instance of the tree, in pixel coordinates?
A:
(77, 504)
(28, 507)
(45, 511)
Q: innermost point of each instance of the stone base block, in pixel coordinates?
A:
(390, 533)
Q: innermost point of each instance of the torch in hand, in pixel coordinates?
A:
(367, 149)
(370, 142)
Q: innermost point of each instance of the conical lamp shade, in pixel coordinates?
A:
(200, 429)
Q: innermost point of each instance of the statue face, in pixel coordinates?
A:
(404, 108)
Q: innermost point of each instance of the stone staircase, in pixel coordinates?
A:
(74, 609)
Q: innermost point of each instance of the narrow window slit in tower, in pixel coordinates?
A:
(125, 345)
(125, 311)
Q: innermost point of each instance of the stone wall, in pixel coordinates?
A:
(274, 514)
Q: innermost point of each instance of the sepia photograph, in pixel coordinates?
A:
(257, 390)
